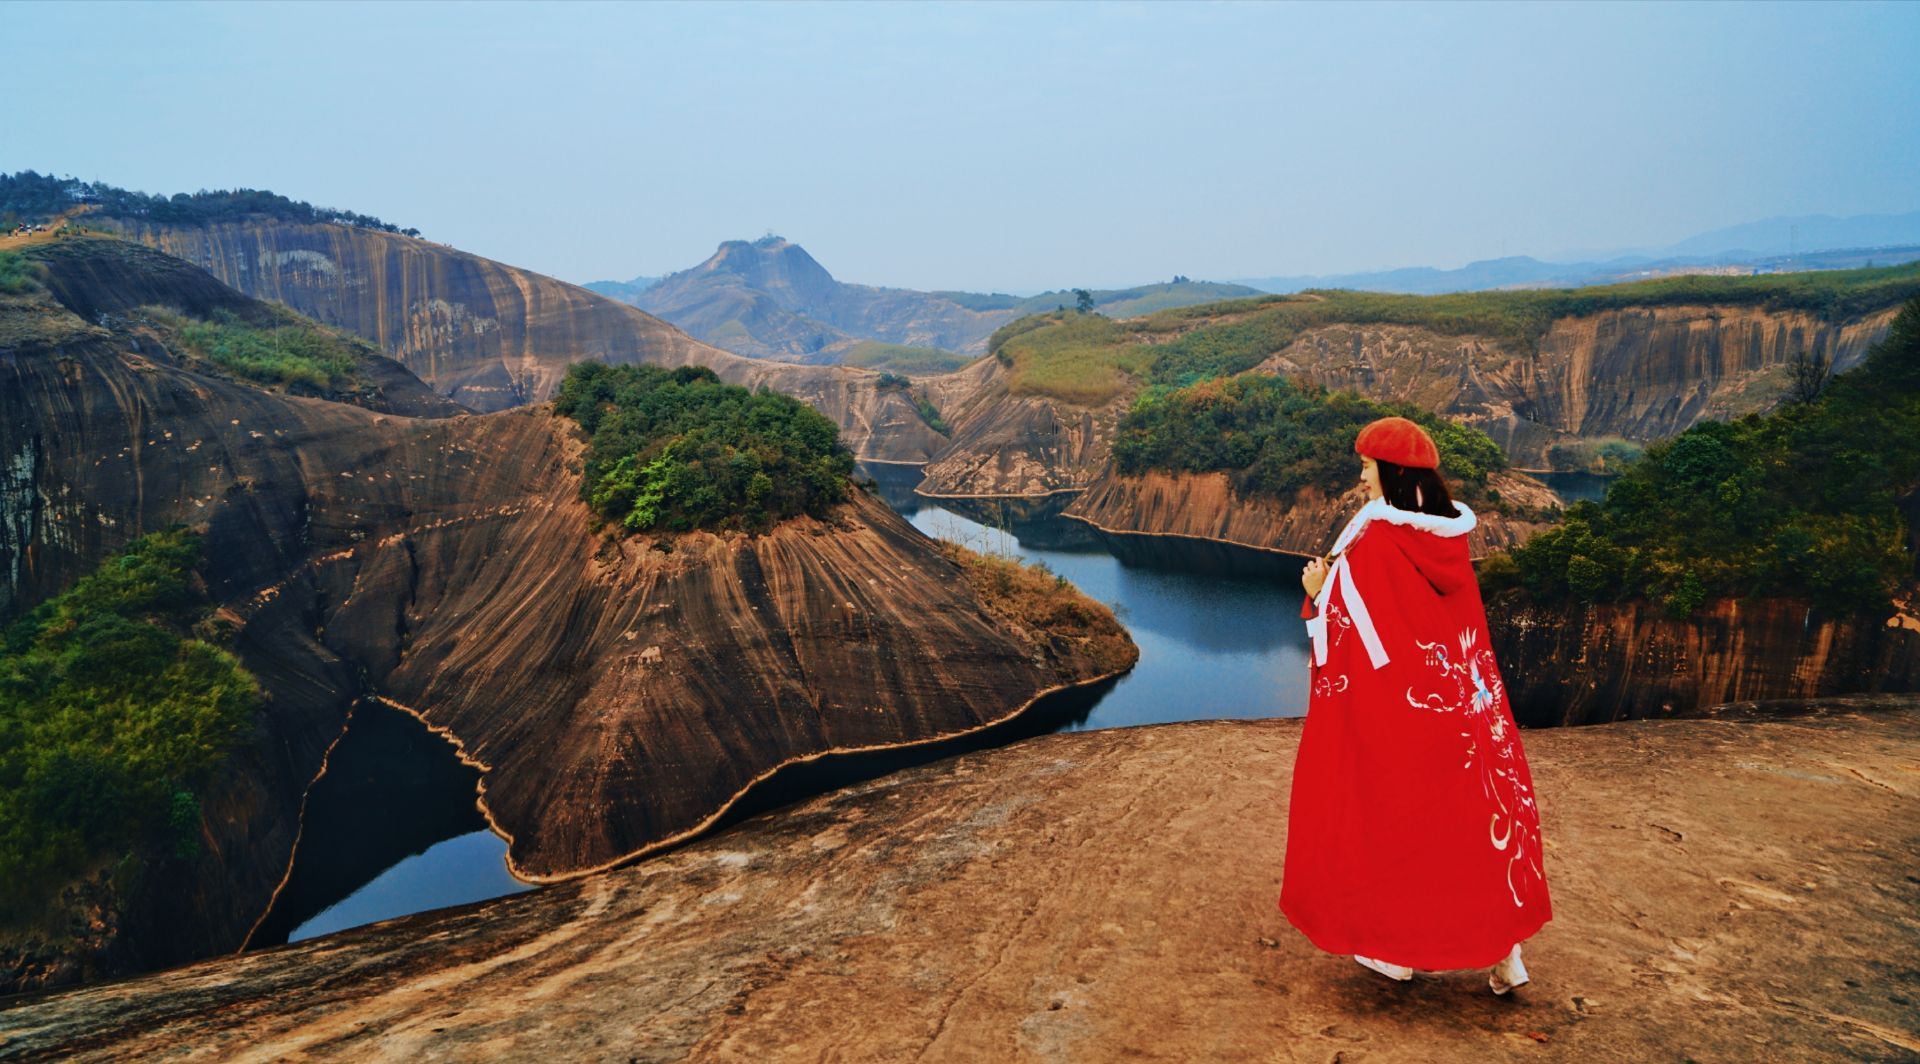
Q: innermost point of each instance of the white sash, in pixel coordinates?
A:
(1342, 574)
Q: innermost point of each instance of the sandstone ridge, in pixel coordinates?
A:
(1106, 895)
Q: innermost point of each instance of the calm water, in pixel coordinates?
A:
(1575, 487)
(392, 828)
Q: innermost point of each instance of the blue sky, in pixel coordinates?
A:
(1012, 147)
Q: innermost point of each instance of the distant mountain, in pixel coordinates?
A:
(770, 299)
(1803, 233)
(624, 291)
(1805, 242)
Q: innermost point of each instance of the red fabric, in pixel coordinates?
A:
(1400, 441)
(1410, 776)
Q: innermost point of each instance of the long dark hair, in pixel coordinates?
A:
(1403, 485)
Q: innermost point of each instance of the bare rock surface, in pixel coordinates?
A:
(1734, 888)
(1206, 506)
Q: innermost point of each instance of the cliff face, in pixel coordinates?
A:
(1644, 374)
(1205, 506)
(491, 336)
(615, 694)
(1577, 664)
(1109, 895)
(1641, 373)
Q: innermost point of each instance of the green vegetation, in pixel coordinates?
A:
(1117, 302)
(28, 196)
(676, 450)
(113, 721)
(1081, 358)
(1274, 437)
(1191, 344)
(284, 349)
(902, 358)
(1803, 501)
(921, 404)
(16, 274)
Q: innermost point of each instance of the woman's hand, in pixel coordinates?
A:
(1314, 576)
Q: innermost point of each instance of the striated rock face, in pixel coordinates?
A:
(1109, 895)
(1640, 373)
(1580, 663)
(1205, 506)
(491, 336)
(616, 694)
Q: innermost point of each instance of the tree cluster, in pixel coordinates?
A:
(114, 718)
(675, 450)
(36, 197)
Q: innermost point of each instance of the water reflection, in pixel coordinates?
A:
(1211, 644)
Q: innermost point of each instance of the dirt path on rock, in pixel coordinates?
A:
(1730, 889)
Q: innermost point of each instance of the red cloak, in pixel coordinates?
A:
(1412, 836)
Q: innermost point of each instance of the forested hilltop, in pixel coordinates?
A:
(32, 197)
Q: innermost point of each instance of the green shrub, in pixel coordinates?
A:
(16, 273)
(676, 450)
(112, 721)
(293, 352)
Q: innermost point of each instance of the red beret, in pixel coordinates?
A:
(1397, 440)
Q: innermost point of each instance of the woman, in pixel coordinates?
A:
(1413, 840)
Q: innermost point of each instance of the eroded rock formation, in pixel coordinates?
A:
(1109, 895)
(1205, 506)
(1642, 373)
(616, 692)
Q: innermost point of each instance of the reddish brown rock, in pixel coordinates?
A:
(1726, 889)
(1204, 506)
(1578, 663)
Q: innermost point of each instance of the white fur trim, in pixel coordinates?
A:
(1375, 509)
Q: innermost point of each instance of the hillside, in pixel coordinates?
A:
(770, 299)
(359, 555)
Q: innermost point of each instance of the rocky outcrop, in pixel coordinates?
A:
(615, 693)
(1205, 506)
(491, 336)
(1579, 663)
(1642, 373)
(1005, 443)
(1109, 895)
